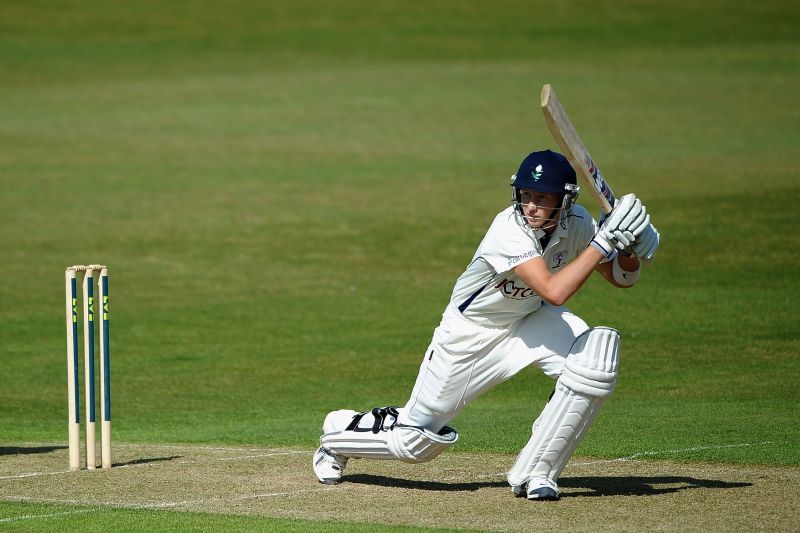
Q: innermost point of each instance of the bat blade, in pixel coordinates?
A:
(575, 151)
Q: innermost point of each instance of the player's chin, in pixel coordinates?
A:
(536, 223)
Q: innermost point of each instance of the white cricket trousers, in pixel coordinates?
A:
(465, 359)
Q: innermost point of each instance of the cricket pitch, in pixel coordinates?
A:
(457, 490)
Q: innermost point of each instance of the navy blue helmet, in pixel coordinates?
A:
(544, 171)
(550, 172)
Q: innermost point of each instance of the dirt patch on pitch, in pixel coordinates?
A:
(457, 490)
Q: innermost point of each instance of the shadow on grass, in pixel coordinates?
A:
(369, 479)
(591, 486)
(147, 460)
(640, 486)
(28, 450)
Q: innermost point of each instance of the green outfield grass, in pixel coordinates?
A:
(285, 194)
(108, 519)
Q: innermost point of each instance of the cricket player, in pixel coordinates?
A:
(507, 312)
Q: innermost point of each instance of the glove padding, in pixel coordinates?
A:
(620, 228)
(628, 215)
(646, 243)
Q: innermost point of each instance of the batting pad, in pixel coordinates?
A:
(589, 376)
(377, 435)
(591, 366)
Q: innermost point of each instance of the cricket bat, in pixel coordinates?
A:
(574, 150)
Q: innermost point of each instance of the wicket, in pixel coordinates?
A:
(73, 385)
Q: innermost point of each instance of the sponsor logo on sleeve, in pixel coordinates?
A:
(517, 259)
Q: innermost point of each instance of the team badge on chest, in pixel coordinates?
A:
(559, 258)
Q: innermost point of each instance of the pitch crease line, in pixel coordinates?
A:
(50, 515)
(162, 505)
(184, 462)
(629, 457)
(677, 450)
(243, 457)
(35, 474)
(137, 445)
(192, 447)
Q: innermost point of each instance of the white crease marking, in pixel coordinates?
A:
(678, 450)
(633, 458)
(244, 457)
(50, 515)
(159, 505)
(187, 447)
(172, 462)
(34, 474)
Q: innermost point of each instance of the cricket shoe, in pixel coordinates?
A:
(328, 467)
(538, 489)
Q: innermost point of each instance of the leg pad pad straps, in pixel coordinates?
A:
(377, 435)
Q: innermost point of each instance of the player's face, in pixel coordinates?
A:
(538, 206)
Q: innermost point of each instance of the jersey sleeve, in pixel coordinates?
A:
(507, 245)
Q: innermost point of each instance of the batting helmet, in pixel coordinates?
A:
(544, 171)
(550, 172)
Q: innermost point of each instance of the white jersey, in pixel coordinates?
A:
(489, 292)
